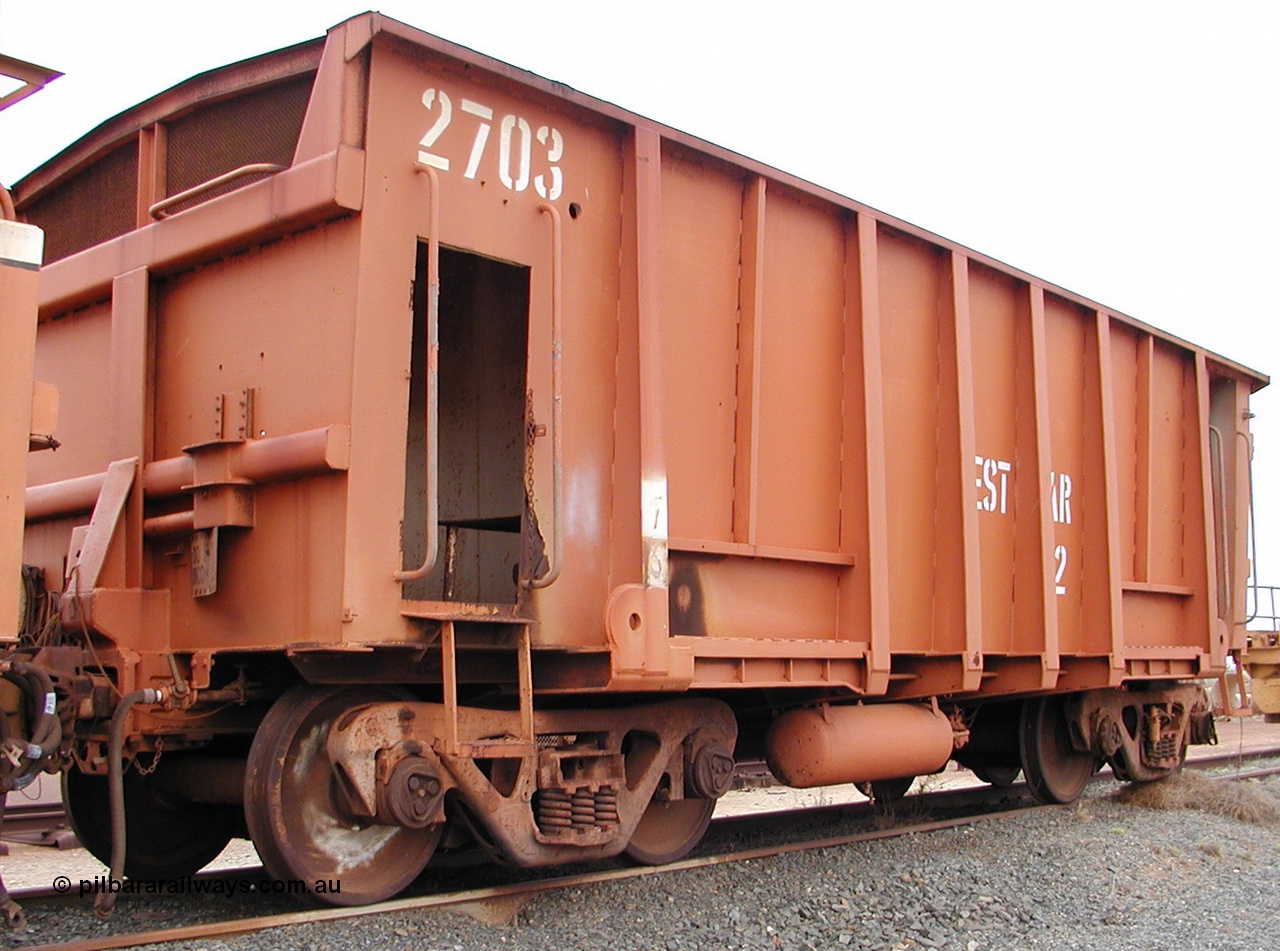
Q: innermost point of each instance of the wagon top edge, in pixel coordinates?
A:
(356, 33)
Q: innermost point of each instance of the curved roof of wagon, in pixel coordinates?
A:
(293, 61)
(222, 82)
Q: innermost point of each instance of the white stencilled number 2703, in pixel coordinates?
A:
(515, 145)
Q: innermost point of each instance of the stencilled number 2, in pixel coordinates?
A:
(1060, 505)
(515, 145)
(429, 99)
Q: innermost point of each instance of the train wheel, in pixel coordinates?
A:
(885, 791)
(295, 812)
(1002, 776)
(1055, 771)
(668, 831)
(163, 840)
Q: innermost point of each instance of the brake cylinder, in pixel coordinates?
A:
(831, 745)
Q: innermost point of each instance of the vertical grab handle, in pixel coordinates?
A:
(557, 435)
(431, 404)
(1253, 540)
(1217, 466)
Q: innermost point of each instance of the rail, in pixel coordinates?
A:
(159, 209)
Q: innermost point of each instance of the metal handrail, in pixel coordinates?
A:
(557, 434)
(431, 404)
(195, 191)
(1273, 616)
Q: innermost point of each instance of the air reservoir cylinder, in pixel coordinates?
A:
(830, 745)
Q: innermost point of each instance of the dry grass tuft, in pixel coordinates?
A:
(1243, 802)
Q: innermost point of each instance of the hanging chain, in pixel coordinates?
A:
(155, 759)
(534, 552)
(532, 430)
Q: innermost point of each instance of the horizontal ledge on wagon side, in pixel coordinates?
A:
(711, 546)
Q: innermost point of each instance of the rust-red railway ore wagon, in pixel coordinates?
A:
(452, 460)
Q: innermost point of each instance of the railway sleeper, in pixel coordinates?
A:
(580, 788)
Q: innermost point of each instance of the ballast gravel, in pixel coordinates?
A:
(1101, 874)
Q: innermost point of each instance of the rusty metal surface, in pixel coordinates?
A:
(1262, 663)
(735, 495)
(832, 745)
(21, 250)
(293, 805)
(502, 392)
(276, 67)
(1144, 734)
(578, 785)
(42, 823)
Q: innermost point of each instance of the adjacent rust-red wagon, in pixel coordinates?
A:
(451, 459)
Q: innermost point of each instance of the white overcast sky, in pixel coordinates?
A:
(1129, 151)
